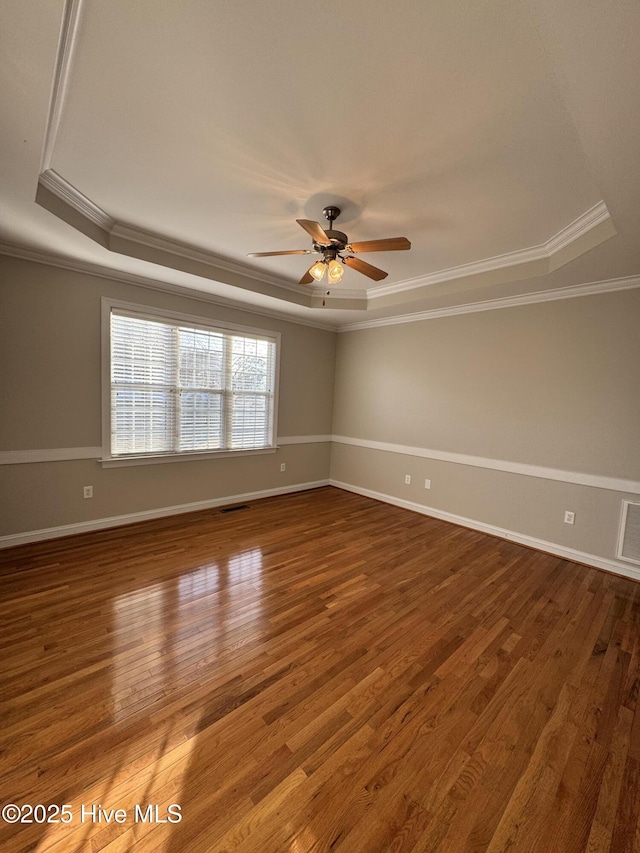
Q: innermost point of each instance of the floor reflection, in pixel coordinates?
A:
(164, 634)
(247, 566)
(168, 639)
(199, 582)
(136, 616)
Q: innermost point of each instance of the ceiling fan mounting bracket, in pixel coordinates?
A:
(331, 213)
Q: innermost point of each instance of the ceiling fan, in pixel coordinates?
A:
(331, 245)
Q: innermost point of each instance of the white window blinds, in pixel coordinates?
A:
(178, 389)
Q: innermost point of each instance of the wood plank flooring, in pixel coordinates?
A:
(319, 672)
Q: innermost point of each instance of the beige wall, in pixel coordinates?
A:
(50, 372)
(554, 384)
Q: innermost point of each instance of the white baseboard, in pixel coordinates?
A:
(565, 553)
(146, 515)
(571, 554)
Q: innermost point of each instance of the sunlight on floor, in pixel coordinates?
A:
(150, 759)
(136, 781)
(138, 667)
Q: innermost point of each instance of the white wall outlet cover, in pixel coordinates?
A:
(427, 484)
(407, 479)
(283, 466)
(87, 491)
(569, 517)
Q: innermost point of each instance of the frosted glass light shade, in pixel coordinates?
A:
(335, 272)
(317, 270)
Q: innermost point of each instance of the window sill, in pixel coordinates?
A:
(124, 461)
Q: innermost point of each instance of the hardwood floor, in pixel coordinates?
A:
(317, 672)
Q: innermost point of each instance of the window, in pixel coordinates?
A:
(179, 386)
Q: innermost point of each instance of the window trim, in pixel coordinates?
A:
(147, 312)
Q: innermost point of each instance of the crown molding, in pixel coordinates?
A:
(61, 262)
(572, 232)
(67, 42)
(152, 240)
(72, 196)
(587, 289)
(133, 236)
(50, 259)
(64, 190)
(576, 229)
(56, 184)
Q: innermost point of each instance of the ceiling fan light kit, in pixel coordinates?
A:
(317, 270)
(331, 244)
(335, 271)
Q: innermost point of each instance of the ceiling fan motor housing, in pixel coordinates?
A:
(338, 241)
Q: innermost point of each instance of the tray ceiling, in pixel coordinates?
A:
(180, 137)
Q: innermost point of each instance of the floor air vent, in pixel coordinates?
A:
(234, 508)
(629, 540)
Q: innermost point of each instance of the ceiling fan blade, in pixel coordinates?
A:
(315, 230)
(366, 269)
(391, 244)
(272, 254)
(307, 278)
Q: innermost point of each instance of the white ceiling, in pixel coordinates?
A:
(501, 138)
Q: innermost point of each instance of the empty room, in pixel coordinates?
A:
(319, 427)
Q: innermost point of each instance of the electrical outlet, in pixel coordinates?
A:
(407, 479)
(427, 484)
(283, 466)
(569, 517)
(87, 492)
